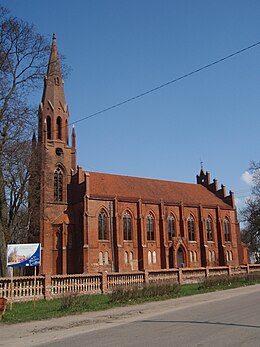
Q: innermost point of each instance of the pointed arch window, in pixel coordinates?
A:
(102, 225)
(106, 258)
(58, 185)
(171, 227)
(154, 257)
(191, 228)
(67, 136)
(100, 258)
(126, 257)
(127, 226)
(228, 258)
(48, 128)
(131, 257)
(59, 127)
(226, 230)
(209, 229)
(149, 258)
(150, 227)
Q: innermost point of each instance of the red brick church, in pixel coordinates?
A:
(91, 222)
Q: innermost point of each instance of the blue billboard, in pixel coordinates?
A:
(28, 254)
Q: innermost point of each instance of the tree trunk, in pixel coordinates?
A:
(3, 224)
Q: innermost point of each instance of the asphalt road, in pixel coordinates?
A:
(228, 318)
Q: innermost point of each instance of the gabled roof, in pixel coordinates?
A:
(102, 185)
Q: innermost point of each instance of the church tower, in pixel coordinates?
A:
(57, 165)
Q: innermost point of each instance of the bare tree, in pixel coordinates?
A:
(251, 214)
(23, 61)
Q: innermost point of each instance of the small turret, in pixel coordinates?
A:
(73, 149)
(73, 137)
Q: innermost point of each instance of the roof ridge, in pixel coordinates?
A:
(141, 178)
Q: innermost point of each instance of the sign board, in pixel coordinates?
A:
(28, 254)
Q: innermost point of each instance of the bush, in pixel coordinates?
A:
(69, 302)
(227, 281)
(74, 302)
(144, 293)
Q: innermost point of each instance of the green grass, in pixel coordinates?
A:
(122, 296)
(46, 309)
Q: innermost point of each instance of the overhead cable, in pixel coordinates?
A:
(138, 96)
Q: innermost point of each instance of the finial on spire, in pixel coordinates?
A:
(54, 36)
(201, 164)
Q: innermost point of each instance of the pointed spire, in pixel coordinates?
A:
(33, 137)
(53, 105)
(73, 152)
(54, 64)
(53, 92)
(201, 165)
(73, 137)
(33, 140)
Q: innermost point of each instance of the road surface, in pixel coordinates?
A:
(226, 318)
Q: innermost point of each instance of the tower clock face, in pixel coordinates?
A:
(59, 151)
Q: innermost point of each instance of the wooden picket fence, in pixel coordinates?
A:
(54, 286)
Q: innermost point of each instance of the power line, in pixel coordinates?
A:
(167, 83)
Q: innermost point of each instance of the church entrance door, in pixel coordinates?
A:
(180, 257)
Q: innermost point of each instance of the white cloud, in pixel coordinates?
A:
(247, 177)
(240, 202)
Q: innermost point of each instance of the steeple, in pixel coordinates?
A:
(57, 165)
(53, 108)
(54, 64)
(53, 83)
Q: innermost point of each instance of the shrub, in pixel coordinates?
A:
(69, 301)
(144, 293)
(235, 280)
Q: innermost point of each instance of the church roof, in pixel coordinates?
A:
(104, 185)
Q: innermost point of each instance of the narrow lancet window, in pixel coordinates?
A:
(209, 229)
(171, 227)
(58, 185)
(48, 128)
(150, 227)
(59, 127)
(226, 230)
(127, 225)
(191, 229)
(102, 225)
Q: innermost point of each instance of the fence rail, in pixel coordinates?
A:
(47, 286)
(22, 288)
(83, 284)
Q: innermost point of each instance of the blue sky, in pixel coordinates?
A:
(118, 49)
